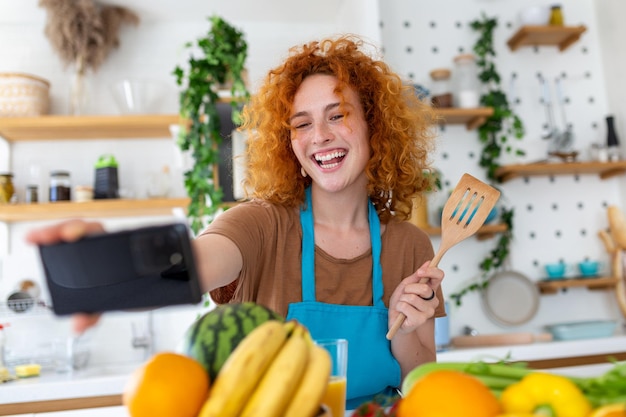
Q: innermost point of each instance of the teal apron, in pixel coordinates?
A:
(372, 369)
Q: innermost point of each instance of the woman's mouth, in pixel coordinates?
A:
(329, 160)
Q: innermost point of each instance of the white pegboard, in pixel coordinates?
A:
(556, 218)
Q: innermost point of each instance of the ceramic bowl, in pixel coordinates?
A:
(535, 16)
(555, 270)
(589, 268)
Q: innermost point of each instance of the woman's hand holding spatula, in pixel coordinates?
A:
(463, 214)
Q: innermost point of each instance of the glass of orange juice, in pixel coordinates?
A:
(335, 397)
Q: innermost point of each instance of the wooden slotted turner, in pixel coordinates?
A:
(464, 213)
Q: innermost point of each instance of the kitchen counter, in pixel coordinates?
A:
(578, 356)
(97, 386)
(102, 386)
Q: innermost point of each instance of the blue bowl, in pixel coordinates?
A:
(589, 268)
(555, 271)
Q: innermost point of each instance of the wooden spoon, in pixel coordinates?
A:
(464, 213)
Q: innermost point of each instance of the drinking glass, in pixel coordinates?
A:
(335, 397)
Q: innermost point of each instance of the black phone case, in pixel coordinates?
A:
(133, 269)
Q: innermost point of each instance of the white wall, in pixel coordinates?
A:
(150, 51)
(555, 218)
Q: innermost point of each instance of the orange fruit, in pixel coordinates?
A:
(168, 384)
(609, 410)
(449, 393)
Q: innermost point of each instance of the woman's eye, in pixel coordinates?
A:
(301, 125)
(337, 117)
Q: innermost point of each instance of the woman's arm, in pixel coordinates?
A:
(218, 260)
(414, 343)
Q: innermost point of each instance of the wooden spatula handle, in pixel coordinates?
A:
(400, 319)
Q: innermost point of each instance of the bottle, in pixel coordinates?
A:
(556, 15)
(60, 187)
(612, 141)
(441, 91)
(466, 81)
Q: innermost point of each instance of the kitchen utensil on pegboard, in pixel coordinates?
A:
(464, 213)
(566, 138)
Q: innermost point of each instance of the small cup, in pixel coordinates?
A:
(555, 270)
(335, 397)
(589, 268)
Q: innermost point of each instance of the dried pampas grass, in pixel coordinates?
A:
(84, 32)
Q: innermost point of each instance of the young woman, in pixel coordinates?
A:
(336, 153)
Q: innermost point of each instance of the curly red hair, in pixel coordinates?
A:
(399, 123)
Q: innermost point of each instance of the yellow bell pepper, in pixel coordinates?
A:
(545, 394)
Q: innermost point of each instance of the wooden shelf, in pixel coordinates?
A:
(56, 127)
(595, 283)
(603, 169)
(471, 118)
(561, 36)
(484, 232)
(87, 127)
(90, 209)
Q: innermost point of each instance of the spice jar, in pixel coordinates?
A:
(60, 186)
(31, 195)
(441, 91)
(6, 188)
(466, 81)
(556, 15)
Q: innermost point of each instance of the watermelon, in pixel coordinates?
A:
(214, 335)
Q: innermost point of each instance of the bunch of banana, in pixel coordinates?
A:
(276, 371)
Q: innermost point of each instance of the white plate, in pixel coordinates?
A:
(510, 298)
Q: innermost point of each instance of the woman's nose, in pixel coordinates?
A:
(322, 133)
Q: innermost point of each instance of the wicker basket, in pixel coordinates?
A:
(23, 95)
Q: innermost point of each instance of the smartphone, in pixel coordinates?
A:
(141, 268)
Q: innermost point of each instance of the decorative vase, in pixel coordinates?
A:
(419, 215)
(78, 91)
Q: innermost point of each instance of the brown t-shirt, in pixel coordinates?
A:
(270, 240)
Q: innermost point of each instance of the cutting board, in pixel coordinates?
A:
(482, 340)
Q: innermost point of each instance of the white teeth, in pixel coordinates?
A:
(329, 156)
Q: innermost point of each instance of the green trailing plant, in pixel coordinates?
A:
(218, 60)
(496, 136)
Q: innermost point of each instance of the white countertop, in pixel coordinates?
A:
(537, 350)
(110, 380)
(96, 381)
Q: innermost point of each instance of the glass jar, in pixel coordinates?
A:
(6, 188)
(60, 187)
(556, 15)
(441, 90)
(31, 195)
(466, 81)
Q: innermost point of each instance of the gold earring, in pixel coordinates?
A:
(303, 172)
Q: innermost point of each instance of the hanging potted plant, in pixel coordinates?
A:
(218, 61)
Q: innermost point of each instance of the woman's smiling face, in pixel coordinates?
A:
(330, 140)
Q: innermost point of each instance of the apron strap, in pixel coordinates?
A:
(308, 252)
(308, 248)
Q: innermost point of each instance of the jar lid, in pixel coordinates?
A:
(464, 57)
(6, 174)
(440, 74)
(60, 173)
